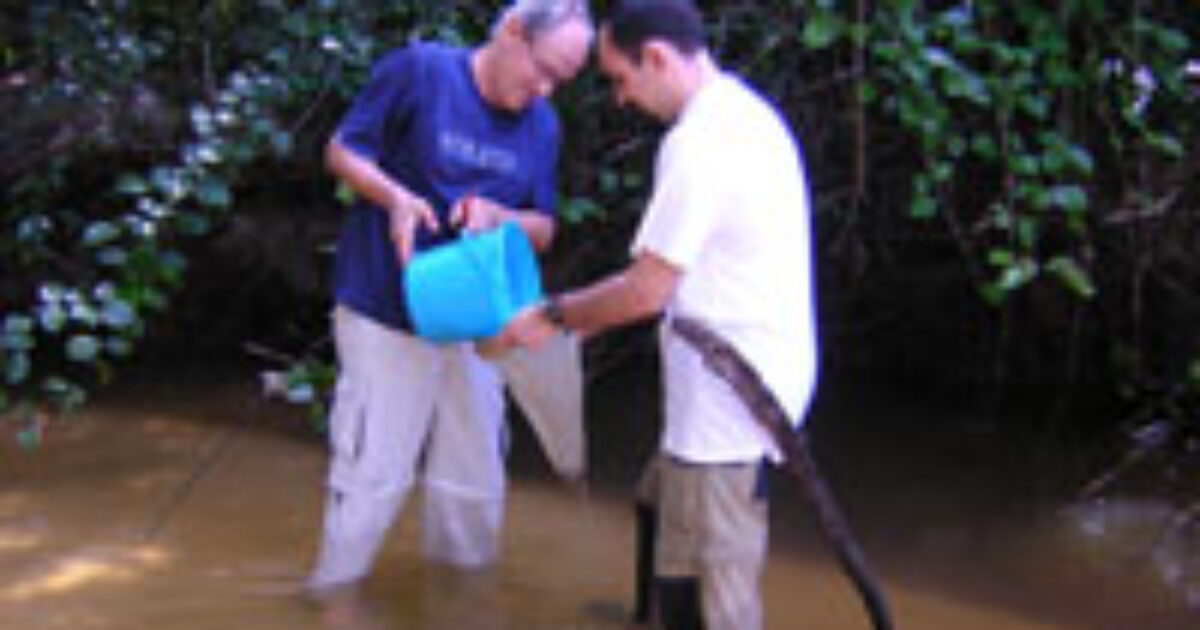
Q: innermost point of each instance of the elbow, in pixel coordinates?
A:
(651, 283)
(649, 299)
(334, 156)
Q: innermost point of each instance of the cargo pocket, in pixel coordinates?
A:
(347, 433)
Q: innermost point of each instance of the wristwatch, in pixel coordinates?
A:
(553, 312)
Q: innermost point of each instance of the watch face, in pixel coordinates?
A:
(553, 311)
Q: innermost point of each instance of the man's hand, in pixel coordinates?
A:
(404, 217)
(473, 213)
(528, 329)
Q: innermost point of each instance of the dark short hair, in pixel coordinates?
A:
(631, 23)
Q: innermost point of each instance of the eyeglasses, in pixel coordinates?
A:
(544, 69)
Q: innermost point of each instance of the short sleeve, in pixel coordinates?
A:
(684, 206)
(385, 104)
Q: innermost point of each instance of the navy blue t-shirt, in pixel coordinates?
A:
(422, 118)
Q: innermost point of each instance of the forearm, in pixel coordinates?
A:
(639, 292)
(365, 177)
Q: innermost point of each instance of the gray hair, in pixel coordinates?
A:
(539, 16)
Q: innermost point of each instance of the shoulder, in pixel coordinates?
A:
(541, 119)
(545, 116)
(421, 56)
(739, 118)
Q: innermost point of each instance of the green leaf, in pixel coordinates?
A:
(968, 86)
(85, 314)
(281, 143)
(214, 193)
(34, 228)
(579, 209)
(1035, 105)
(992, 294)
(1000, 257)
(52, 317)
(956, 18)
(30, 437)
(300, 393)
(193, 223)
(118, 347)
(1081, 159)
(169, 182)
(83, 348)
(172, 266)
(822, 29)
(984, 146)
(66, 395)
(1017, 275)
(1026, 165)
(1168, 145)
(1072, 199)
(16, 367)
(1073, 276)
(203, 153)
(100, 233)
(345, 194)
(112, 257)
(610, 181)
(133, 185)
(923, 208)
(117, 313)
(1028, 229)
(18, 325)
(202, 120)
(939, 57)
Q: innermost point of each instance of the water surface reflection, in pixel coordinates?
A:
(101, 529)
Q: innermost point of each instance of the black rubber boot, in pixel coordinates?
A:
(679, 604)
(647, 531)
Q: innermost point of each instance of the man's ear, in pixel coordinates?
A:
(514, 27)
(657, 54)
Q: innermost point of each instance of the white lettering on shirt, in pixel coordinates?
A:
(460, 148)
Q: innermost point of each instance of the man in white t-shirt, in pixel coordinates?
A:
(724, 240)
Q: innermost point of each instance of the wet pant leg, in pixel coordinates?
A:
(464, 469)
(713, 528)
(382, 410)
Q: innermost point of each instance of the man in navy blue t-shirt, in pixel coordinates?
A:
(440, 139)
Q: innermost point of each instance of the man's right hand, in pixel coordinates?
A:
(527, 329)
(405, 216)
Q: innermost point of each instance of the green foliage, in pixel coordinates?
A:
(92, 277)
(310, 382)
(1026, 135)
(998, 95)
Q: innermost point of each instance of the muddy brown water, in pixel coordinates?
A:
(93, 534)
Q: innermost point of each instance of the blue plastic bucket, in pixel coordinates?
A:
(470, 288)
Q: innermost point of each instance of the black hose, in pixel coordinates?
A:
(728, 364)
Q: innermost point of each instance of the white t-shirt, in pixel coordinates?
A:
(730, 208)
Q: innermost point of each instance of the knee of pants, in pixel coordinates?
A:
(462, 531)
(352, 478)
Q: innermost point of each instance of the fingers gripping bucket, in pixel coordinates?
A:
(471, 287)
